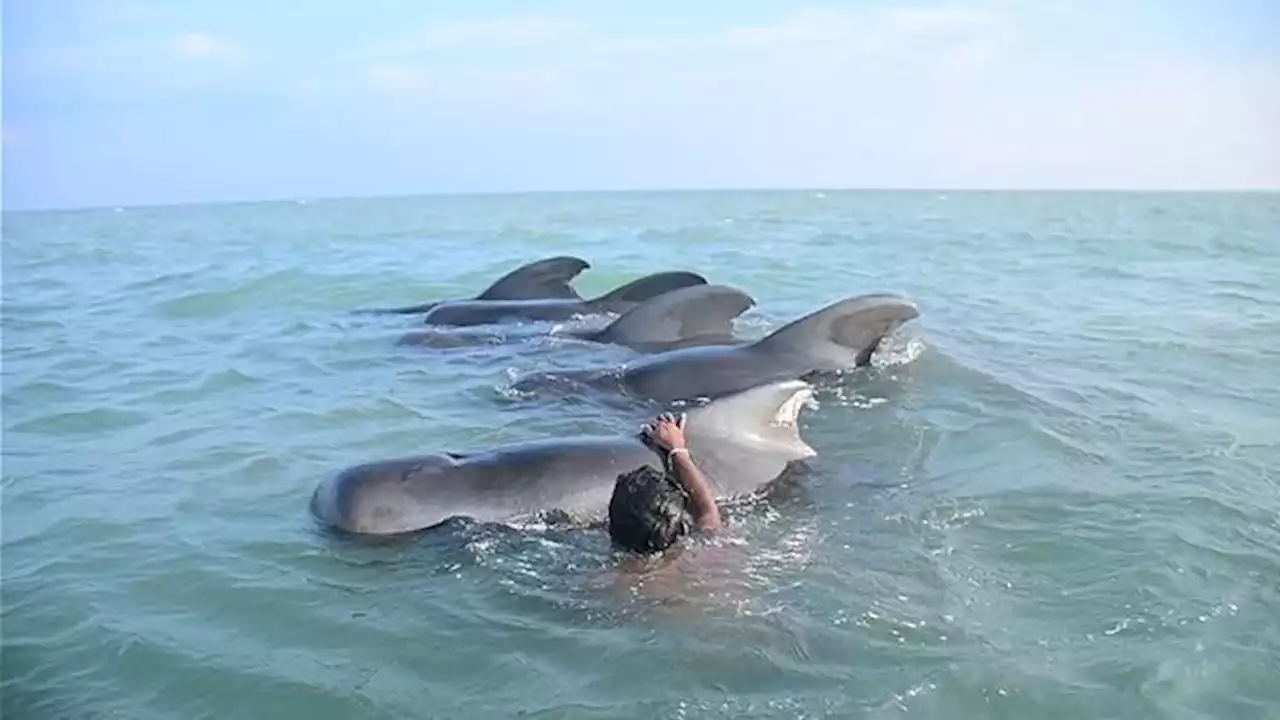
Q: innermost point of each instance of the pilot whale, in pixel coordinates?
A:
(742, 443)
(461, 313)
(687, 317)
(544, 279)
(841, 336)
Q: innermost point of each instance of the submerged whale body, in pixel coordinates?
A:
(544, 279)
(690, 316)
(841, 336)
(742, 443)
(461, 313)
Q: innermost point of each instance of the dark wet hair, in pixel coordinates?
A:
(648, 511)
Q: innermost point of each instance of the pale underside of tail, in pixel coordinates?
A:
(744, 442)
(766, 416)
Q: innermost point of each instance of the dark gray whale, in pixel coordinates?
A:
(460, 313)
(548, 278)
(742, 443)
(841, 336)
(688, 317)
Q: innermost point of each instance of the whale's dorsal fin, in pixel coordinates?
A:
(693, 311)
(841, 335)
(544, 279)
(646, 288)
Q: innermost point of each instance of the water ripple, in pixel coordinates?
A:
(1054, 494)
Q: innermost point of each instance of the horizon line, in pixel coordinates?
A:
(304, 199)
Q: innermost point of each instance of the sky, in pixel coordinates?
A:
(130, 102)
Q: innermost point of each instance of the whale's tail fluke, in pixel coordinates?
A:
(756, 428)
(646, 288)
(842, 335)
(688, 313)
(766, 413)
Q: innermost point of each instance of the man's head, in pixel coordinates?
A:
(648, 511)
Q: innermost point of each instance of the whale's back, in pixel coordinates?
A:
(400, 495)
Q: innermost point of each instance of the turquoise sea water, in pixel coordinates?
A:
(1056, 496)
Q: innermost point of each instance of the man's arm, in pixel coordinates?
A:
(668, 434)
(705, 511)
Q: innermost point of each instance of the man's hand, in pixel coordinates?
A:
(665, 433)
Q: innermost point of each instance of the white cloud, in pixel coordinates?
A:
(507, 33)
(971, 60)
(876, 33)
(1159, 126)
(203, 46)
(813, 52)
(9, 134)
(452, 66)
(946, 94)
(398, 78)
(136, 58)
(466, 92)
(944, 19)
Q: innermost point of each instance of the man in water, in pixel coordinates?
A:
(651, 510)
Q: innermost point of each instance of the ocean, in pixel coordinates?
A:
(1056, 494)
